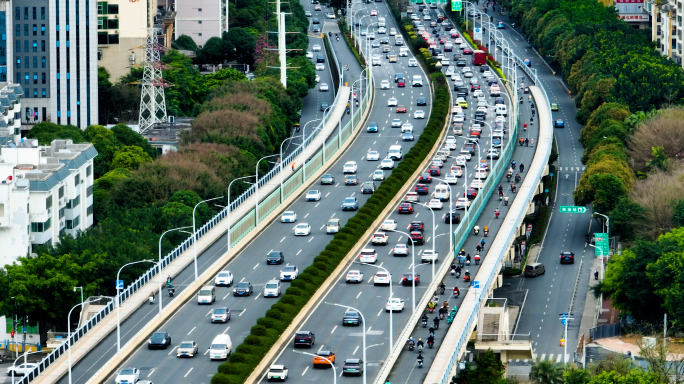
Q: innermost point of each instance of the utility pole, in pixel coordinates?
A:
(565, 319)
(152, 97)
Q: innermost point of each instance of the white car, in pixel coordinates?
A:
(392, 102)
(482, 109)
(477, 184)
(349, 167)
(435, 204)
(302, 229)
(373, 156)
(376, 61)
(450, 178)
(380, 238)
(354, 276)
(389, 225)
(468, 74)
(461, 160)
(396, 123)
(458, 40)
(387, 163)
(288, 217)
(392, 31)
(289, 273)
(309, 55)
(382, 31)
(330, 15)
(492, 154)
(487, 74)
(403, 52)
(279, 372)
(318, 78)
(126, 375)
(323, 87)
(394, 304)
(445, 62)
(316, 48)
(400, 250)
(378, 175)
(463, 46)
(427, 18)
(407, 127)
(224, 278)
(478, 93)
(456, 171)
(412, 62)
(187, 349)
(438, 162)
(419, 114)
(320, 66)
(381, 278)
(368, 255)
(462, 203)
(385, 84)
(481, 174)
(313, 195)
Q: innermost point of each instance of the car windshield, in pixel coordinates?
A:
(276, 370)
(349, 200)
(205, 292)
(127, 371)
(224, 274)
(219, 311)
(271, 285)
(218, 346)
(186, 345)
(289, 269)
(242, 285)
(158, 336)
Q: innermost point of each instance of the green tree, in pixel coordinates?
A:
(128, 137)
(626, 216)
(488, 369)
(659, 159)
(574, 375)
(678, 214)
(546, 372)
(634, 376)
(215, 51)
(106, 144)
(608, 190)
(129, 157)
(667, 275)
(46, 132)
(244, 42)
(184, 42)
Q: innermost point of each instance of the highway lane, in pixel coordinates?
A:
(311, 110)
(326, 320)
(406, 368)
(553, 293)
(192, 323)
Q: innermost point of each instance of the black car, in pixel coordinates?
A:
(463, 89)
(461, 63)
(416, 237)
(434, 170)
(320, 59)
(480, 115)
(474, 87)
(436, 52)
(422, 189)
(421, 101)
(351, 180)
(416, 226)
(567, 258)
(452, 217)
(405, 208)
(351, 317)
(159, 340)
(304, 338)
(275, 257)
(472, 193)
(368, 187)
(499, 100)
(327, 180)
(315, 20)
(352, 367)
(350, 204)
(425, 178)
(409, 279)
(243, 289)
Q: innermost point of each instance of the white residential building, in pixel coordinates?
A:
(666, 26)
(201, 19)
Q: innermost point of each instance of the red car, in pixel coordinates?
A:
(401, 83)
(422, 189)
(434, 170)
(401, 109)
(425, 178)
(474, 133)
(405, 208)
(467, 51)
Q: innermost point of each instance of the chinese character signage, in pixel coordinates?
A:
(456, 5)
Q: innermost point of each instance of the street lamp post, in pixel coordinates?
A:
(434, 238)
(118, 302)
(465, 189)
(69, 331)
(81, 288)
(326, 359)
(194, 231)
(363, 320)
(391, 333)
(24, 356)
(256, 186)
(304, 145)
(230, 209)
(413, 268)
(159, 266)
(451, 230)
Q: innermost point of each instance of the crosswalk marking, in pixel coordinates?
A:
(552, 356)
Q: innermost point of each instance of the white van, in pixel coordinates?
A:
(441, 192)
(272, 289)
(501, 109)
(443, 154)
(417, 81)
(220, 348)
(381, 21)
(206, 295)
(395, 152)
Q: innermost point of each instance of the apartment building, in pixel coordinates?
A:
(46, 192)
(666, 26)
(54, 58)
(201, 19)
(122, 27)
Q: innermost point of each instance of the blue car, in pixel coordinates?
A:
(372, 127)
(501, 25)
(496, 143)
(559, 124)
(407, 136)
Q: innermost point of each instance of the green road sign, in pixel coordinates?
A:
(456, 5)
(602, 244)
(572, 209)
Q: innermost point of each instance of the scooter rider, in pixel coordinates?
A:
(476, 229)
(430, 340)
(420, 344)
(424, 319)
(442, 287)
(505, 200)
(468, 259)
(420, 360)
(486, 230)
(457, 292)
(411, 342)
(151, 297)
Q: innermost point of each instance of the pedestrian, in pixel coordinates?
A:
(527, 142)
(522, 167)
(532, 142)
(521, 141)
(293, 164)
(525, 126)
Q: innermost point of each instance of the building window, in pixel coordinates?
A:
(42, 13)
(26, 13)
(35, 61)
(26, 29)
(18, 63)
(35, 93)
(89, 191)
(90, 210)
(77, 180)
(61, 192)
(17, 30)
(61, 213)
(73, 203)
(89, 170)
(17, 13)
(44, 93)
(43, 62)
(112, 24)
(73, 224)
(26, 46)
(35, 13)
(26, 62)
(48, 202)
(42, 45)
(27, 78)
(42, 29)
(35, 29)
(18, 44)
(41, 227)
(43, 77)
(199, 22)
(35, 45)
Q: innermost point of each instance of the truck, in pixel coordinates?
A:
(479, 57)
(409, 10)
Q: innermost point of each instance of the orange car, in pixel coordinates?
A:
(401, 109)
(321, 356)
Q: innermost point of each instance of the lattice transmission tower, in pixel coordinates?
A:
(152, 99)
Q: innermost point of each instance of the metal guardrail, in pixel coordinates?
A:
(244, 225)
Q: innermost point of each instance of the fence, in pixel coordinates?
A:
(244, 225)
(605, 330)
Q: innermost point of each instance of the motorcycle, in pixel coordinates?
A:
(435, 323)
(410, 345)
(486, 232)
(458, 274)
(596, 275)
(453, 271)
(431, 344)
(424, 323)
(467, 262)
(457, 293)
(420, 363)
(477, 259)
(476, 230)
(151, 299)
(420, 348)
(431, 309)
(441, 290)
(171, 290)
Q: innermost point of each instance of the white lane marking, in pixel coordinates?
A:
(283, 239)
(300, 251)
(311, 239)
(193, 328)
(334, 328)
(355, 349)
(174, 348)
(186, 375)
(257, 296)
(151, 372)
(357, 296)
(305, 369)
(224, 332)
(255, 267)
(243, 311)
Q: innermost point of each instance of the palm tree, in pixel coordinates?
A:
(546, 372)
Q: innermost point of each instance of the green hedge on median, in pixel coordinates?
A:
(268, 329)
